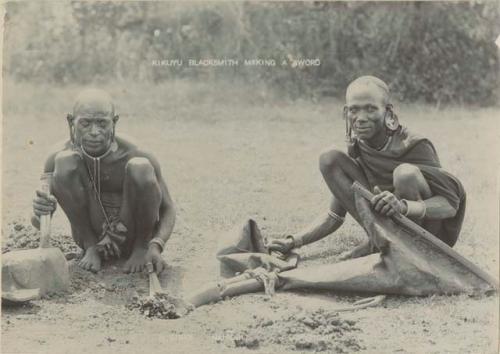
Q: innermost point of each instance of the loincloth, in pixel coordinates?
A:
(112, 203)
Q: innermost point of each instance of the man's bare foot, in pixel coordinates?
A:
(91, 260)
(361, 250)
(137, 261)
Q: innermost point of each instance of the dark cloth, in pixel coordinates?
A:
(405, 147)
(409, 263)
(244, 248)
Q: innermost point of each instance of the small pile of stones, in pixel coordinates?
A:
(161, 306)
(21, 235)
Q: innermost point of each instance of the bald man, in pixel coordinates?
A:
(402, 169)
(112, 192)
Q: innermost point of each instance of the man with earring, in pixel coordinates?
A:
(112, 192)
(401, 168)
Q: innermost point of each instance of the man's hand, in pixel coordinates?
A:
(283, 245)
(154, 256)
(43, 204)
(387, 203)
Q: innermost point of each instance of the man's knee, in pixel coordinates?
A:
(407, 175)
(141, 172)
(66, 164)
(331, 159)
(410, 183)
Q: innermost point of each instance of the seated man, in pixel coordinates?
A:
(402, 169)
(112, 192)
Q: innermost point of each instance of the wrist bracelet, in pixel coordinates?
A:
(159, 242)
(297, 241)
(415, 208)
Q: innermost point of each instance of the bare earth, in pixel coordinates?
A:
(226, 158)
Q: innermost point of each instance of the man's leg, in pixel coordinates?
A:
(410, 184)
(140, 209)
(73, 196)
(339, 172)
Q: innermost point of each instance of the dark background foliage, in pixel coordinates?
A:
(437, 52)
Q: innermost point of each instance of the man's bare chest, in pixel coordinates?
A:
(107, 175)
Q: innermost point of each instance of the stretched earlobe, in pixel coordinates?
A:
(113, 134)
(348, 128)
(70, 118)
(344, 110)
(391, 120)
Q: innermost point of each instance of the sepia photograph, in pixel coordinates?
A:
(250, 177)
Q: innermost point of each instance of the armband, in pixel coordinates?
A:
(336, 217)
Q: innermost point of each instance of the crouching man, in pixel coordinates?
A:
(402, 169)
(112, 192)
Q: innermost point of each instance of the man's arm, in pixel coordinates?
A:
(323, 226)
(433, 208)
(167, 214)
(166, 221)
(44, 203)
(438, 207)
(167, 209)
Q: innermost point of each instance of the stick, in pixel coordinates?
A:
(46, 179)
(154, 282)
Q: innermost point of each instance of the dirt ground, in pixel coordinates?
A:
(226, 158)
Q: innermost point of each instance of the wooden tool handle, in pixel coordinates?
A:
(154, 282)
(45, 219)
